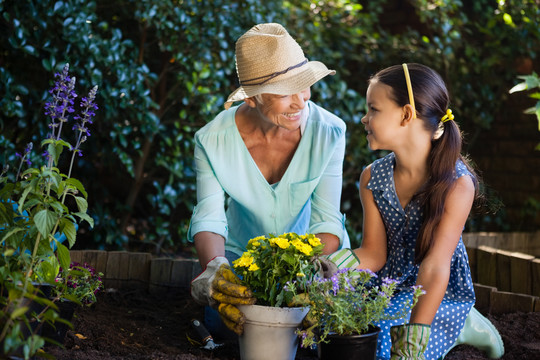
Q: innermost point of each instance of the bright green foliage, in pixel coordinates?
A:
(530, 82)
(38, 205)
(165, 67)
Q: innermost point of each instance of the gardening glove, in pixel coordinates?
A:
(220, 288)
(344, 258)
(325, 267)
(409, 341)
(201, 286)
(228, 291)
(302, 299)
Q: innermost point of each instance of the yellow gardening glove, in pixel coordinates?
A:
(228, 291)
(302, 299)
(218, 287)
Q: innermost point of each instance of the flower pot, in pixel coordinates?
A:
(360, 347)
(269, 332)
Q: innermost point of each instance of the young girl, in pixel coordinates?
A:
(416, 200)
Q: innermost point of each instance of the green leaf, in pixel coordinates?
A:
(78, 185)
(11, 233)
(519, 87)
(18, 312)
(82, 204)
(23, 198)
(85, 217)
(63, 255)
(68, 228)
(45, 221)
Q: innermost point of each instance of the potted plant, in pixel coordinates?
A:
(344, 311)
(76, 285)
(270, 263)
(40, 209)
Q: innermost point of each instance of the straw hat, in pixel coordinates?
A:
(270, 61)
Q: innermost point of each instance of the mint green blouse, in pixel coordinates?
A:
(235, 200)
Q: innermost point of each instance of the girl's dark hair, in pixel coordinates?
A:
(431, 102)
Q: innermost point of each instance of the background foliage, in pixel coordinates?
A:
(164, 68)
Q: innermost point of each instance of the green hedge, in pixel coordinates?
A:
(164, 68)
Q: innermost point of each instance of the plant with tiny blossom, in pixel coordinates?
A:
(349, 303)
(41, 208)
(271, 261)
(79, 283)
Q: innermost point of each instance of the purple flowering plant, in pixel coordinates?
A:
(79, 283)
(41, 208)
(349, 303)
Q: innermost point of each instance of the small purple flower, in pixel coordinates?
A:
(24, 157)
(88, 106)
(371, 273)
(418, 287)
(335, 284)
(388, 281)
(349, 286)
(62, 104)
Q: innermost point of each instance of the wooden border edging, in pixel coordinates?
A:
(504, 280)
(122, 269)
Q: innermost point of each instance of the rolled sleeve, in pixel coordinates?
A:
(326, 216)
(209, 214)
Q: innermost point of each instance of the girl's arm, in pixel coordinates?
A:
(372, 252)
(434, 272)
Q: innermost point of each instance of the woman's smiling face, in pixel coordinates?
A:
(286, 111)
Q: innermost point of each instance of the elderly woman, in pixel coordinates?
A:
(272, 164)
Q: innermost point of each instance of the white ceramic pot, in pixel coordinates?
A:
(269, 332)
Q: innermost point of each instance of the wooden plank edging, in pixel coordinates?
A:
(122, 269)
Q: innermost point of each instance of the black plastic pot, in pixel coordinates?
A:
(358, 347)
(57, 331)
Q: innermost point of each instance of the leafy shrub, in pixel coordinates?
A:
(164, 69)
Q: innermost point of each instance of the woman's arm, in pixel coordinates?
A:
(434, 272)
(208, 226)
(208, 246)
(327, 221)
(372, 252)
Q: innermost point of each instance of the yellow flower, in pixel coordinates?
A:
(253, 267)
(281, 242)
(256, 241)
(300, 274)
(314, 241)
(244, 261)
(303, 248)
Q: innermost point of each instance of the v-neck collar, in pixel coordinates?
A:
(307, 129)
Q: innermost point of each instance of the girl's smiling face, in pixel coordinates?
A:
(383, 118)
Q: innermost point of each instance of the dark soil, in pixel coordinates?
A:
(134, 324)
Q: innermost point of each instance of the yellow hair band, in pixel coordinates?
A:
(448, 117)
(409, 89)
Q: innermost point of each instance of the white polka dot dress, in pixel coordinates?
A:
(402, 227)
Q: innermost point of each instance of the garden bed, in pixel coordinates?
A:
(146, 309)
(136, 324)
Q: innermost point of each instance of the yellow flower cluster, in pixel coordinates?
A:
(272, 261)
(245, 260)
(280, 241)
(302, 247)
